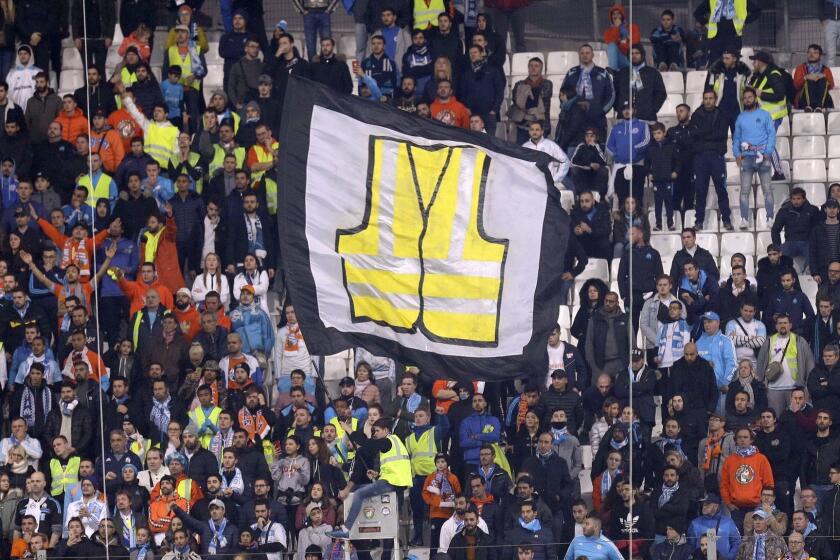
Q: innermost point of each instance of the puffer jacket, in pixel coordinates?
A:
(255, 328)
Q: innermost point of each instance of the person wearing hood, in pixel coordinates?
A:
(106, 141)
(729, 538)
(495, 45)
(641, 84)
(244, 75)
(21, 78)
(284, 62)
(606, 338)
(674, 546)
(96, 95)
(145, 90)
(15, 144)
(591, 295)
(619, 37)
(252, 324)
(232, 44)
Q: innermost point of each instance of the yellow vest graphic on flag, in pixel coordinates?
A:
(421, 260)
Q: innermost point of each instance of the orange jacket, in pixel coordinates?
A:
(125, 125)
(613, 34)
(143, 49)
(108, 144)
(159, 515)
(453, 113)
(742, 479)
(799, 80)
(136, 292)
(432, 496)
(189, 320)
(69, 248)
(72, 125)
(166, 259)
(195, 493)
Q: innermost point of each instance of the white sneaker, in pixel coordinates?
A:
(745, 225)
(769, 222)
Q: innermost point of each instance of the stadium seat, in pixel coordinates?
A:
(70, 81)
(784, 128)
(746, 53)
(733, 173)
(519, 65)
(557, 82)
(118, 35)
(835, 96)
(834, 123)
(785, 171)
(808, 124)
(809, 147)
(762, 240)
(694, 100)
(666, 244)
(811, 170)
(695, 81)
(833, 170)
(709, 241)
(815, 192)
(600, 59)
(736, 242)
(674, 82)
(506, 66)
(783, 147)
(559, 62)
(809, 286)
(565, 317)
(614, 264)
(710, 223)
(71, 59)
(833, 144)
(669, 108)
(347, 45)
(212, 55)
(677, 223)
(726, 264)
(595, 268)
(835, 72)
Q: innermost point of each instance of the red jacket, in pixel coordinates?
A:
(799, 80)
(73, 125)
(166, 259)
(613, 34)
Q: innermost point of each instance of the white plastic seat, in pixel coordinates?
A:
(746, 53)
(212, 56)
(695, 81)
(833, 170)
(762, 240)
(595, 268)
(347, 45)
(556, 81)
(809, 286)
(71, 59)
(834, 145)
(814, 192)
(559, 62)
(809, 147)
(600, 58)
(784, 128)
(519, 64)
(726, 265)
(506, 65)
(783, 147)
(694, 100)
(834, 122)
(674, 82)
(666, 244)
(565, 317)
(736, 242)
(669, 108)
(808, 124)
(811, 170)
(710, 222)
(709, 241)
(71, 81)
(113, 57)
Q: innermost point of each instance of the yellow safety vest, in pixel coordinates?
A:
(193, 159)
(263, 157)
(128, 78)
(141, 450)
(354, 422)
(270, 186)
(433, 246)
(219, 154)
(777, 109)
(738, 21)
(174, 56)
(394, 464)
(101, 190)
(161, 142)
(740, 86)
(427, 16)
(197, 417)
(62, 477)
(422, 452)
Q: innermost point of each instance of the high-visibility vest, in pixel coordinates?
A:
(192, 160)
(430, 244)
(422, 452)
(62, 477)
(394, 464)
(270, 186)
(263, 156)
(140, 450)
(427, 16)
(197, 417)
(740, 86)
(174, 56)
(161, 142)
(738, 21)
(219, 154)
(101, 190)
(349, 454)
(128, 77)
(776, 109)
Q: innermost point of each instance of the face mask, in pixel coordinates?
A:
(558, 425)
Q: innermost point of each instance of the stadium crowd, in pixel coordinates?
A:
(153, 409)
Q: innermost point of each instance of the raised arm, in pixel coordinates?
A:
(27, 259)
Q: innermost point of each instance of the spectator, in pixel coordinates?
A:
(381, 67)
(789, 301)
(572, 118)
(734, 292)
(285, 61)
(197, 37)
(72, 119)
(531, 100)
(769, 79)
(716, 348)
(591, 224)
(628, 144)
(692, 251)
(642, 276)
(725, 26)
(679, 135)
(641, 84)
(667, 41)
(589, 164)
(244, 75)
(607, 352)
(822, 246)
(593, 84)
(139, 39)
(98, 22)
(793, 361)
(95, 95)
(21, 78)
(661, 162)
(232, 44)
(482, 89)
(447, 109)
(397, 39)
(329, 69)
(619, 36)
(709, 134)
(712, 517)
(728, 78)
(653, 315)
(559, 166)
(813, 80)
(753, 144)
(795, 218)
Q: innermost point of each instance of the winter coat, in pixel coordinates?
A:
(729, 538)
(105, 24)
(719, 350)
(709, 131)
(674, 510)
(824, 388)
(21, 80)
(628, 141)
(475, 431)
(603, 94)
(99, 97)
(597, 243)
(254, 327)
(649, 99)
(797, 223)
(483, 89)
(647, 267)
(243, 79)
(643, 389)
(332, 72)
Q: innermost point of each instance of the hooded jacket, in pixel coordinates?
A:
(21, 79)
(648, 97)
(614, 34)
(254, 327)
(729, 538)
(72, 125)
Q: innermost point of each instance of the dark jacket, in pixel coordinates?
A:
(728, 305)
(680, 136)
(201, 465)
(101, 27)
(596, 335)
(679, 550)
(643, 389)
(101, 97)
(449, 46)
(596, 244)
(819, 455)
(647, 266)
(648, 100)
(134, 212)
(603, 95)
(777, 446)
(81, 427)
(483, 89)
(13, 322)
(232, 46)
(572, 124)
(332, 72)
(824, 388)
(575, 259)
(189, 217)
(542, 542)
(231, 533)
(767, 276)
(661, 160)
(772, 84)
(674, 509)
(819, 255)
(696, 382)
(797, 223)
(147, 94)
(237, 242)
(135, 12)
(551, 478)
(19, 149)
(759, 391)
(176, 412)
(458, 546)
(567, 401)
(280, 70)
(709, 131)
(795, 303)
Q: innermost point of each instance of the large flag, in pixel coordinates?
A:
(430, 244)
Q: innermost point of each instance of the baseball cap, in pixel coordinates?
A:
(265, 80)
(559, 373)
(762, 56)
(249, 288)
(310, 507)
(20, 210)
(711, 499)
(216, 503)
(711, 316)
(638, 354)
(832, 203)
(760, 513)
(347, 382)
(182, 28)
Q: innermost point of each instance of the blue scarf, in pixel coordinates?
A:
(618, 444)
(141, 552)
(160, 416)
(694, 288)
(676, 443)
(218, 541)
(759, 546)
(607, 481)
(534, 526)
(667, 492)
(559, 435)
(748, 451)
